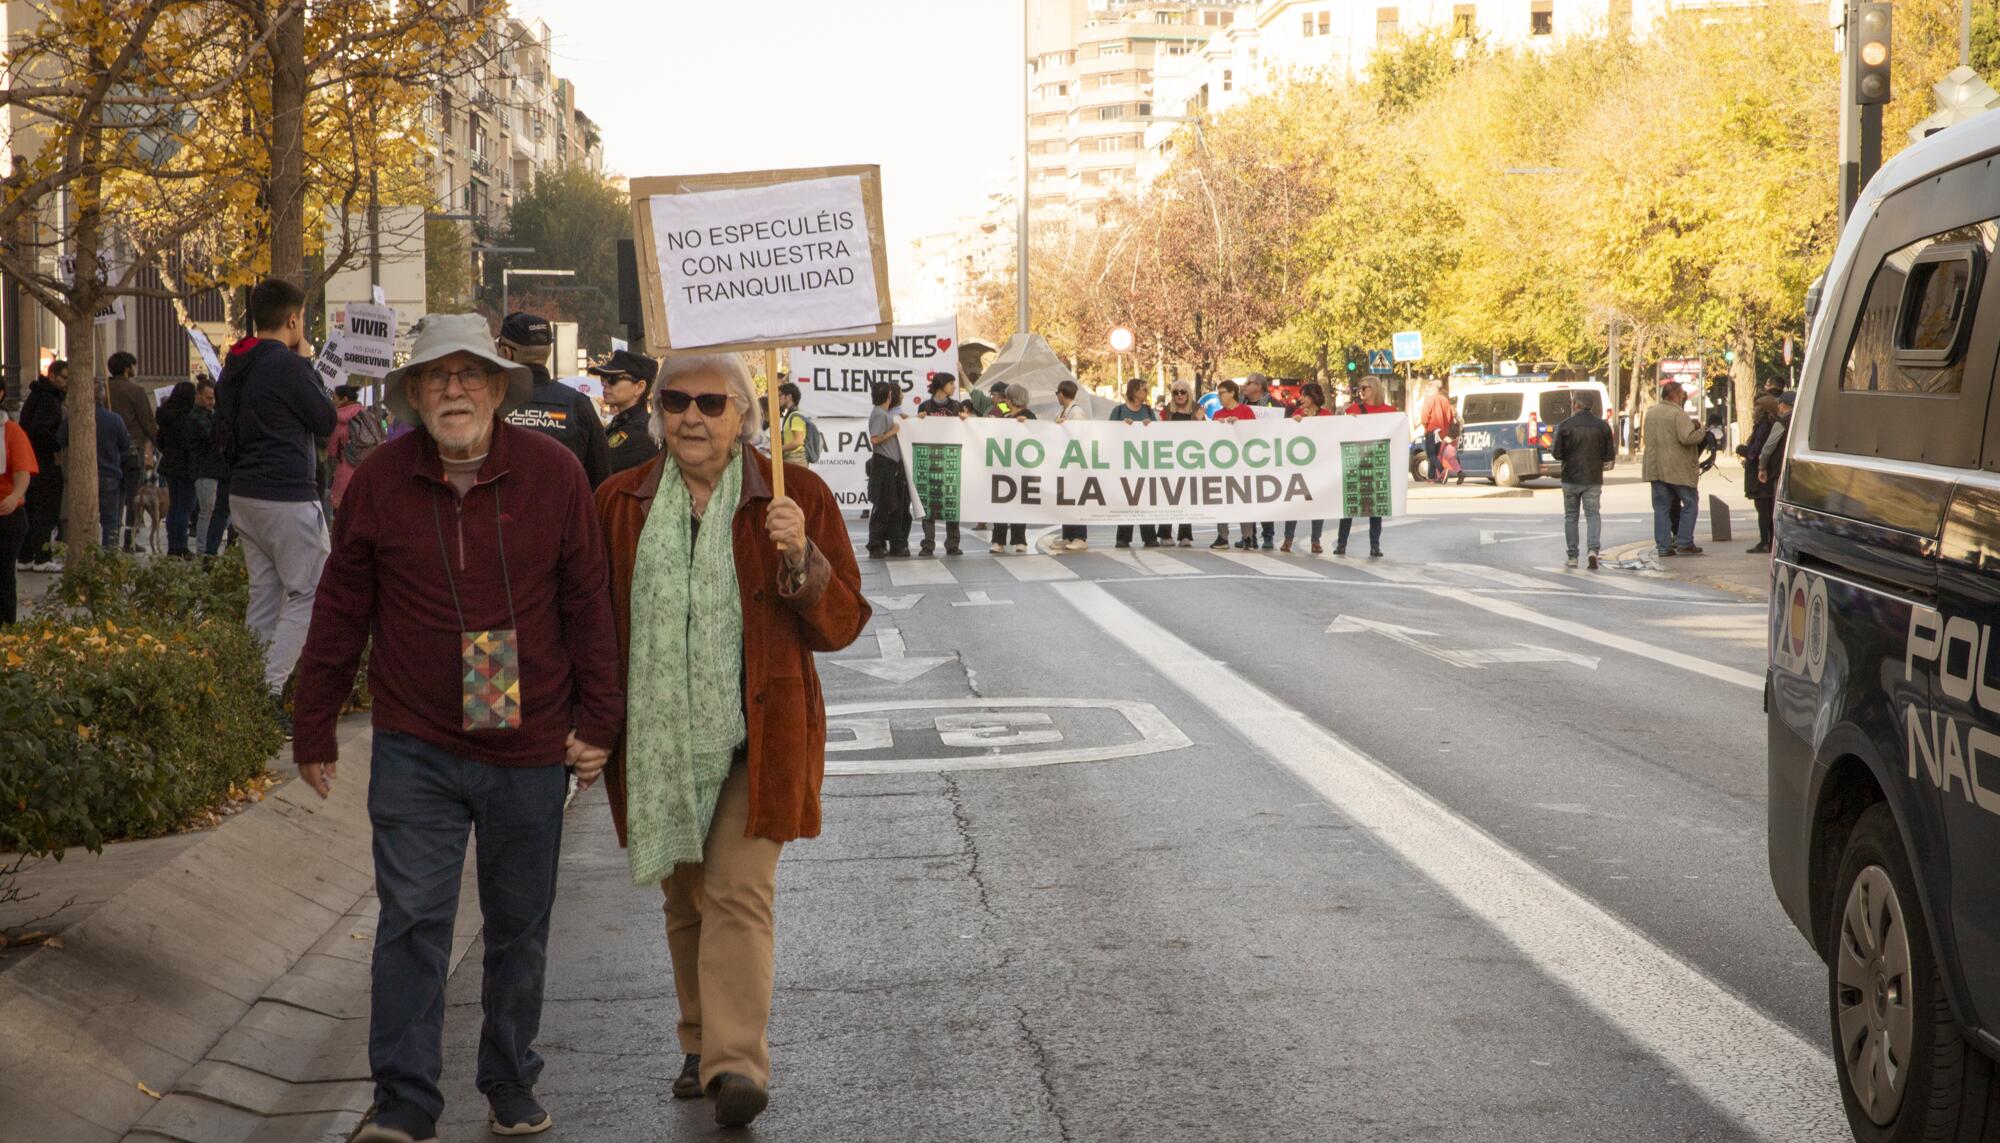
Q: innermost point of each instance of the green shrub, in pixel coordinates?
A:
(133, 704)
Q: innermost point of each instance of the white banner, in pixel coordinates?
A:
(206, 350)
(834, 379)
(1109, 472)
(765, 263)
(369, 347)
(844, 463)
(331, 364)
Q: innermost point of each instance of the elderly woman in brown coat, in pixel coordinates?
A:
(722, 592)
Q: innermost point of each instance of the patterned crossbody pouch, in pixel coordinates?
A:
(489, 690)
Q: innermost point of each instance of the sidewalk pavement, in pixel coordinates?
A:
(210, 987)
(1723, 565)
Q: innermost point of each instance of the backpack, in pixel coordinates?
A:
(815, 440)
(364, 435)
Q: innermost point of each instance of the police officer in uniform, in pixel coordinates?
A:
(555, 408)
(628, 382)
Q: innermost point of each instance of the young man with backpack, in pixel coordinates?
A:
(271, 412)
(797, 435)
(358, 431)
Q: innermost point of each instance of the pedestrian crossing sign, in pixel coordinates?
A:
(1379, 364)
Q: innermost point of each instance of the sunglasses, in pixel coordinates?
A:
(711, 404)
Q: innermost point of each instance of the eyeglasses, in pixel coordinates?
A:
(676, 401)
(433, 381)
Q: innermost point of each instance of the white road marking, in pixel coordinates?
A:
(1483, 576)
(1745, 1064)
(1154, 734)
(1511, 610)
(893, 666)
(1500, 537)
(1149, 563)
(981, 599)
(918, 572)
(1267, 565)
(1475, 658)
(1394, 573)
(1034, 569)
(895, 602)
(1642, 582)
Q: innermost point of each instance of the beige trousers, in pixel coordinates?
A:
(719, 934)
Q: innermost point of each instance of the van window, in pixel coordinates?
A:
(1911, 333)
(1484, 408)
(1557, 405)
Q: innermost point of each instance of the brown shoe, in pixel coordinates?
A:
(738, 1100)
(1285, 547)
(1687, 550)
(687, 1085)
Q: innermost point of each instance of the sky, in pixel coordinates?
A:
(928, 89)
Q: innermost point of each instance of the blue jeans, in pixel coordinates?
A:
(180, 513)
(1664, 497)
(1586, 497)
(110, 513)
(1432, 447)
(1374, 533)
(422, 802)
(1292, 529)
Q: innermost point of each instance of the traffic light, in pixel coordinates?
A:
(1868, 51)
(1353, 360)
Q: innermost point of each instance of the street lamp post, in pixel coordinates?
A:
(510, 272)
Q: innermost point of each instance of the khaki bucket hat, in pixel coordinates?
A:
(441, 335)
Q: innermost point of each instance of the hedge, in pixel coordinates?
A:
(133, 703)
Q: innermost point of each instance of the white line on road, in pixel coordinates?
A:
(1149, 563)
(1267, 565)
(1033, 569)
(918, 572)
(1744, 1063)
(1511, 610)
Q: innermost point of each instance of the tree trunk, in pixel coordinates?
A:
(288, 182)
(80, 521)
(1743, 380)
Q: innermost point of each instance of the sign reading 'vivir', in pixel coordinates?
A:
(762, 259)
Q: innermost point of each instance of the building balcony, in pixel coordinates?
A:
(1116, 93)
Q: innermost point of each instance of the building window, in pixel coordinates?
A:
(1228, 80)
(1388, 24)
(1145, 109)
(1542, 21)
(1306, 24)
(1326, 23)
(1465, 21)
(1115, 111)
(1117, 49)
(476, 136)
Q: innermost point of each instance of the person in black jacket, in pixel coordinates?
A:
(42, 418)
(211, 470)
(1586, 448)
(555, 409)
(177, 466)
(274, 412)
(628, 382)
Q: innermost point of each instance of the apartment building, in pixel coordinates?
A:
(1092, 92)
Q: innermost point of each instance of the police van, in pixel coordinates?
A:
(1508, 424)
(1883, 691)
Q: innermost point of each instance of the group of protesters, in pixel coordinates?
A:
(891, 513)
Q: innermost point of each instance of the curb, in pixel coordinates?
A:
(232, 980)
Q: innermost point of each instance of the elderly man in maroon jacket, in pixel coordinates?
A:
(469, 550)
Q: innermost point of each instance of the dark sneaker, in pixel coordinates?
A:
(1687, 550)
(951, 551)
(1340, 549)
(515, 1112)
(927, 550)
(1374, 553)
(687, 1085)
(1122, 544)
(1219, 543)
(398, 1123)
(900, 553)
(738, 1101)
(1668, 554)
(283, 716)
(875, 553)
(1759, 549)
(1593, 561)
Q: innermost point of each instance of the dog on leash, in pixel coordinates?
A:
(150, 503)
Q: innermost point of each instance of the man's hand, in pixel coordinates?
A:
(8, 505)
(318, 775)
(786, 522)
(584, 760)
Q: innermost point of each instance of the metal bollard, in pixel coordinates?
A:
(1718, 520)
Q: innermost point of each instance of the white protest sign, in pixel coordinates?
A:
(618, 343)
(331, 364)
(113, 310)
(587, 385)
(1268, 412)
(376, 295)
(834, 379)
(764, 259)
(206, 350)
(844, 463)
(369, 347)
(1106, 472)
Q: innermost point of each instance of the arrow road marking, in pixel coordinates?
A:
(1497, 537)
(894, 666)
(1413, 638)
(895, 602)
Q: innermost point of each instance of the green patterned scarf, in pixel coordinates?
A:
(684, 690)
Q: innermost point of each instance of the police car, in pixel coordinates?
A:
(1508, 424)
(1883, 690)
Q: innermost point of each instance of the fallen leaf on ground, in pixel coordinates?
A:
(150, 1091)
(52, 943)
(30, 938)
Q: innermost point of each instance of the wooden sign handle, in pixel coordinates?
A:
(776, 420)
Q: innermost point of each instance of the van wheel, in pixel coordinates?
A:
(1503, 471)
(1906, 1071)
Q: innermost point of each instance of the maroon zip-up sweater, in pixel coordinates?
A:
(399, 521)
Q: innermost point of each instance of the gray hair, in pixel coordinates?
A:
(733, 372)
(1017, 395)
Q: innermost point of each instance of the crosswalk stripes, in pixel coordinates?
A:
(916, 573)
(1267, 565)
(1035, 569)
(1484, 576)
(1150, 563)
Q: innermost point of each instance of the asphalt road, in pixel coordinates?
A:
(1179, 846)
